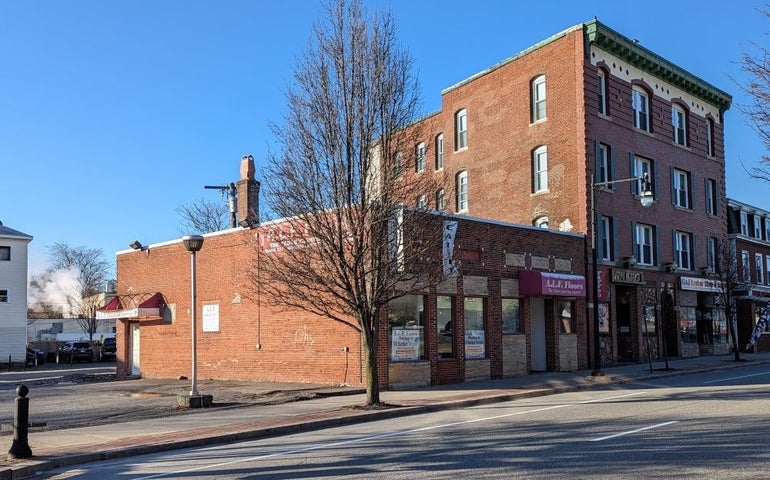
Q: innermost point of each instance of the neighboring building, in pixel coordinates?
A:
(13, 294)
(527, 140)
(517, 305)
(749, 246)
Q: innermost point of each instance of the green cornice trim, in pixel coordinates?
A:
(622, 47)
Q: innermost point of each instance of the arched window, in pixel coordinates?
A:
(440, 200)
(640, 104)
(679, 124)
(461, 129)
(540, 169)
(541, 222)
(461, 188)
(439, 151)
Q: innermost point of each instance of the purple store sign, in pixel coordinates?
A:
(551, 284)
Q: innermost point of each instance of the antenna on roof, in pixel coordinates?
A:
(232, 199)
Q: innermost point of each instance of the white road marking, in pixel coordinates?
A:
(633, 431)
(378, 437)
(736, 378)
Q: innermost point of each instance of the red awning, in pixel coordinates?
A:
(136, 305)
(549, 284)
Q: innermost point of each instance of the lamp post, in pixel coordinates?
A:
(193, 243)
(645, 198)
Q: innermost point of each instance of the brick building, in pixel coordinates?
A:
(572, 122)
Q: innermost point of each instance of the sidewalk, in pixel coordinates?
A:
(58, 448)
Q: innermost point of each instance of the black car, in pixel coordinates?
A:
(72, 352)
(35, 356)
(109, 349)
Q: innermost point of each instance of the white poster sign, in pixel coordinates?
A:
(405, 345)
(211, 318)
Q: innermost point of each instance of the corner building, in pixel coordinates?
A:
(572, 122)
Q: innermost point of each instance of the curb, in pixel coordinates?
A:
(340, 418)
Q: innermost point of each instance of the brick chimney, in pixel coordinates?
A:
(248, 194)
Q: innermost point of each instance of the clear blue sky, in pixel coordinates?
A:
(114, 113)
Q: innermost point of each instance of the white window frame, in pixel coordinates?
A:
(711, 196)
(744, 223)
(422, 203)
(757, 226)
(745, 266)
(682, 183)
(683, 250)
(603, 173)
(439, 151)
(642, 166)
(605, 238)
(709, 137)
(602, 77)
(462, 191)
(712, 248)
(679, 125)
(767, 229)
(461, 129)
(419, 161)
(640, 105)
(440, 200)
(760, 264)
(540, 169)
(645, 244)
(538, 96)
(541, 222)
(767, 268)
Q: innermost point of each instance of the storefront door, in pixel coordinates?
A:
(134, 350)
(625, 324)
(537, 320)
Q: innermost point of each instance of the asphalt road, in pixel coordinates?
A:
(706, 426)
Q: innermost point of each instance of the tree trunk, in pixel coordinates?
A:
(736, 347)
(372, 379)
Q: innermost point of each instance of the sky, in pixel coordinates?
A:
(114, 113)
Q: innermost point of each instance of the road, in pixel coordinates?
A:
(706, 426)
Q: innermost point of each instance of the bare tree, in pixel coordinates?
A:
(340, 181)
(203, 216)
(756, 65)
(730, 272)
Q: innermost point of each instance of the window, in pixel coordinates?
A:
(444, 307)
(745, 266)
(3, 296)
(440, 151)
(639, 167)
(406, 319)
(767, 229)
(538, 98)
(744, 223)
(605, 235)
(540, 169)
(461, 130)
(683, 250)
(602, 92)
(757, 226)
(760, 264)
(644, 246)
(710, 137)
(712, 247)
(422, 203)
(767, 265)
(440, 200)
(679, 125)
(5, 253)
(681, 186)
(511, 315)
(541, 222)
(603, 163)
(475, 341)
(461, 188)
(711, 197)
(419, 162)
(398, 164)
(567, 324)
(640, 106)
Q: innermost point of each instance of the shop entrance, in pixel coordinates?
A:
(624, 323)
(537, 322)
(670, 330)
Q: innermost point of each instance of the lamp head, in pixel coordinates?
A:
(192, 243)
(646, 197)
(136, 245)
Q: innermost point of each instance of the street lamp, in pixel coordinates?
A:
(193, 243)
(645, 198)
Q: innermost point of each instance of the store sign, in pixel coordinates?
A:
(551, 284)
(627, 276)
(210, 321)
(700, 284)
(405, 345)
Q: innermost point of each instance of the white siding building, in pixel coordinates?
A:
(13, 294)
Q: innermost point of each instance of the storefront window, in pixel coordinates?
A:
(649, 319)
(511, 315)
(720, 326)
(406, 320)
(688, 325)
(475, 339)
(567, 323)
(445, 325)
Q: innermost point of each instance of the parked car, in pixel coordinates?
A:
(109, 349)
(72, 352)
(35, 356)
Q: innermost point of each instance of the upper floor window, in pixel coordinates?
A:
(745, 266)
(539, 169)
(709, 137)
(439, 151)
(461, 129)
(744, 223)
(5, 253)
(757, 226)
(683, 250)
(767, 229)
(541, 222)
(462, 191)
(640, 105)
(603, 163)
(767, 267)
(602, 92)
(644, 244)
(760, 264)
(605, 235)
(641, 166)
(679, 125)
(398, 163)
(440, 200)
(419, 162)
(711, 197)
(422, 203)
(712, 250)
(681, 184)
(538, 98)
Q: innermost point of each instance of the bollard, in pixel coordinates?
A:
(20, 446)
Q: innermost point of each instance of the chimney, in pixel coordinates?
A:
(248, 194)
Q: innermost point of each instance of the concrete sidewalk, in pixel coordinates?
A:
(58, 448)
